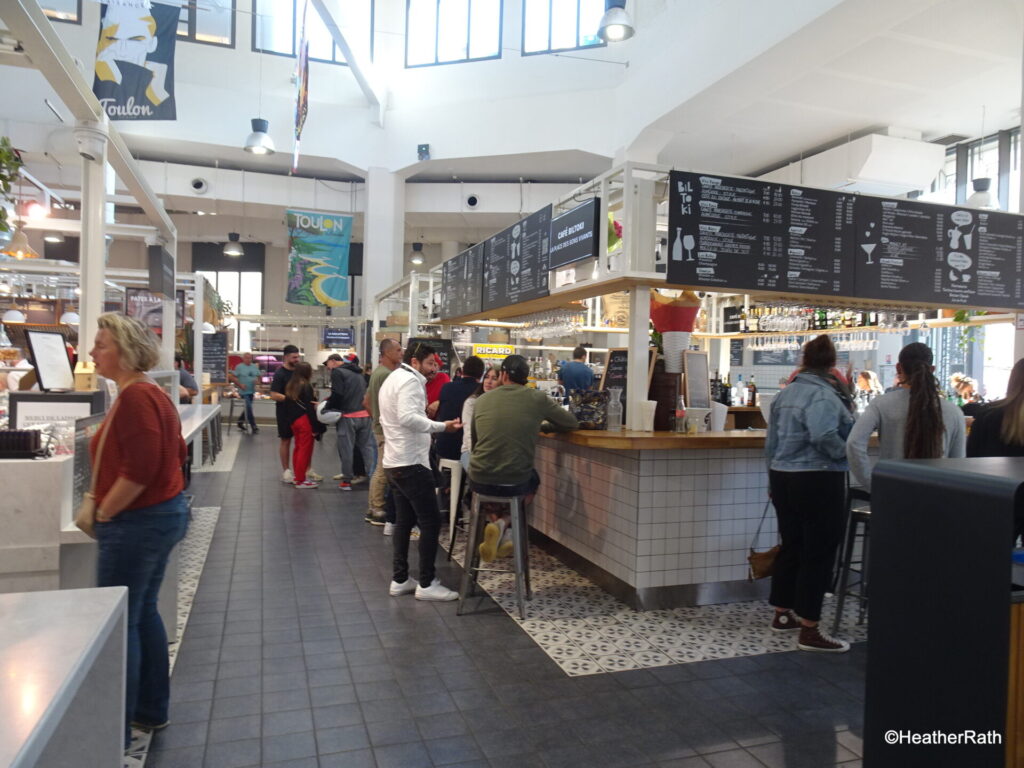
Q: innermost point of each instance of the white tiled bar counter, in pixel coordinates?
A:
(659, 519)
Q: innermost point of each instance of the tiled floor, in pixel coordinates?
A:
(294, 655)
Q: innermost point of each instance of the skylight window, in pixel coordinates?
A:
(561, 25)
(449, 31)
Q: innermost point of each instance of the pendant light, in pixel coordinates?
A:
(233, 247)
(259, 141)
(616, 24)
(982, 196)
(417, 254)
(18, 247)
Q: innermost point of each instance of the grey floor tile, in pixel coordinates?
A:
(290, 721)
(360, 758)
(288, 746)
(386, 732)
(233, 754)
(453, 749)
(188, 757)
(279, 701)
(332, 694)
(344, 739)
(412, 755)
(180, 735)
(234, 729)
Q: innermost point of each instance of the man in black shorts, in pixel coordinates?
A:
(284, 427)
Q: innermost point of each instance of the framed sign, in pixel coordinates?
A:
(697, 381)
(50, 357)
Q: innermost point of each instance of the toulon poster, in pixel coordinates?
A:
(318, 259)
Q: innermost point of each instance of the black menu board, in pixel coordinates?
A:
(574, 234)
(215, 356)
(752, 235)
(941, 254)
(515, 262)
(616, 369)
(461, 283)
(735, 352)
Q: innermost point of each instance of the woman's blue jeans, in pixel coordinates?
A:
(133, 552)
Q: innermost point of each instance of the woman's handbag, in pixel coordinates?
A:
(85, 518)
(762, 564)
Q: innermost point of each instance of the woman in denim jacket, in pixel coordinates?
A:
(806, 448)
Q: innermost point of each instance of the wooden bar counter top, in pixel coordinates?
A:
(634, 440)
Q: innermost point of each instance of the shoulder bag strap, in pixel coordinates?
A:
(760, 525)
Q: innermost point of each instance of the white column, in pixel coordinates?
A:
(197, 329)
(639, 341)
(92, 255)
(449, 249)
(383, 234)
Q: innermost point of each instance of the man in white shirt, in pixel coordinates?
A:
(402, 405)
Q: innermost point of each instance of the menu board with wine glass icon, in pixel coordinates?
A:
(462, 283)
(940, 254)
(733, 233)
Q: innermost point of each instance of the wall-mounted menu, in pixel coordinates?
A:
(215, 356)
(516, 262)
(941, 254)
(574, 234)
(461, 283)
(752, 235)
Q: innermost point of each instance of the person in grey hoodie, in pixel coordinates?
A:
(806, 449)
(913, 420)
(355, 427)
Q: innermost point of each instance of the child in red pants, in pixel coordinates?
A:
(299, 409)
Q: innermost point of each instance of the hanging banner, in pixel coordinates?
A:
(302, 88)
(318, 258)
(134, 77)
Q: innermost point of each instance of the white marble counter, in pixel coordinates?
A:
(62, 662)
(194, 418)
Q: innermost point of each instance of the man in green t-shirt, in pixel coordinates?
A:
(246, 375)
(390, 358)
(506, 424)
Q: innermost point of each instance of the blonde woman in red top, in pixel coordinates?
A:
(141, 511)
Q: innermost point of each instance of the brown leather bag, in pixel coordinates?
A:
(762, 564)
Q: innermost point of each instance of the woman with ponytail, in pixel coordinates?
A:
(913, 421)
(999, 430)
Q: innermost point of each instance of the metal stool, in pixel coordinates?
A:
(520, 541)
(859, 516)
(454, 466)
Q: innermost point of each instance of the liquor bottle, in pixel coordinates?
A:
(743, 321)
(751, 393)
(754, 321)
(737, 392)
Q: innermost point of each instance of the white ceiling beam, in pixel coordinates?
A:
(26, 21)
(331, 13)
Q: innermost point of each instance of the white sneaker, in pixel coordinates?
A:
(389, 529)
(359, 479)
(312, 475)
(437, 592)
(405, 588)
(288, 476)
(338, 476)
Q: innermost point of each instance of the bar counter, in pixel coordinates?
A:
(659, 519)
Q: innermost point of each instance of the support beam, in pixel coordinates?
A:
(331, 13)
(636, 372)
(92, 256)
(27, 22)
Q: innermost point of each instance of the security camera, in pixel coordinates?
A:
(472, 201)
(200, 186)
(91, 141)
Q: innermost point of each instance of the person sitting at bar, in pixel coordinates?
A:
(506, 424)
(913, 421)
(489, 382)
(806, 449)
(999, 431)
(453, 396)
(576, 374)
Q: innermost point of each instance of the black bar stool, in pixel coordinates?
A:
(513, 496)
(858, 524)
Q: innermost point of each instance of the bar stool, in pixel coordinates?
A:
(513, 496)
(454, 466)
(858, 524)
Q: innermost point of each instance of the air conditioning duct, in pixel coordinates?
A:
(874, 164)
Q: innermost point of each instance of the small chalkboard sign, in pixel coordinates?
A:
(615, 370)
(735, 352)
(85, 429)
(443, 347)
(698, 380)
(215, 357)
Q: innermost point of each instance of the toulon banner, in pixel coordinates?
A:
(135, 61)
(318, 258)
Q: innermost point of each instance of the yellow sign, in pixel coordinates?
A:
(493, 351)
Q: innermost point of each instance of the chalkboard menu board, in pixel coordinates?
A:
(215, 356)
(731, 320)
(793, 357)
(941, 254)
(339, 337)
(85, 429)
(735, 352)
(615, 372)
(462, 282)
(516, 262)
(744, 234)
(574, 234)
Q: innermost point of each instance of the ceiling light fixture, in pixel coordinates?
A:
(295, 329)
(14, 316)
(18, 247)
(259, 141)
(981, 197)
(54, 237)
(616, 24)
(417, 254)
(233, 247)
